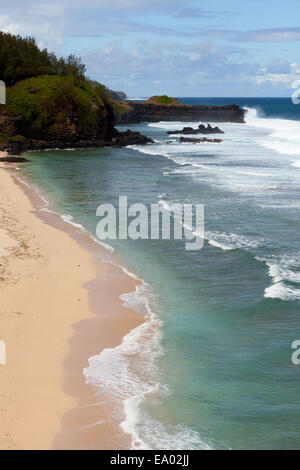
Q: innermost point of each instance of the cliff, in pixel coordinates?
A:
(50, 103)
(52, 111)
(130, 112)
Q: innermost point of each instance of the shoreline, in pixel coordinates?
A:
(45, 401)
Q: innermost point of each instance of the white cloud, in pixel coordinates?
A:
(278, 73)
(173, 65)
(270, 35)
(167, 55)
(7, 25)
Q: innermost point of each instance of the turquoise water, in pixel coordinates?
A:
(223, 318)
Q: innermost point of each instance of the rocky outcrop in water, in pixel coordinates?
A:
(197, 141)
(201, 130)
(121, 139)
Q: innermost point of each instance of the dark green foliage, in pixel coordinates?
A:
(18, 138)
(49, 97)
(3, 138)
(164, 99)
(51, 102)
(21, 58)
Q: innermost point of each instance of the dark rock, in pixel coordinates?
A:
(106, 136)
(149, 112)
(197, 141)
(14, 159)
(121, 139)
(201, 130)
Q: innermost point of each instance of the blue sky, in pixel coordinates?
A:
(182, 48)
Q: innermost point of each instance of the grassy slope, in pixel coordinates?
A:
(48, 101)
(164, 99)
(120, 108)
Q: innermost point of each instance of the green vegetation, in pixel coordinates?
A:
(51, 95)
(3, 138)
(21, 58)
(120, 108)
(48, 102)
(164, 99)
(18, 138)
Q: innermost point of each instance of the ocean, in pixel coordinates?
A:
(212, 368)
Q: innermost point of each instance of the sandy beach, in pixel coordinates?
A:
(58, 307)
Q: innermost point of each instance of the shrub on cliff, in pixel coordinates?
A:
(164, 99)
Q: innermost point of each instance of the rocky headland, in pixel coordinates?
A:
(169, 109)
(49, 112)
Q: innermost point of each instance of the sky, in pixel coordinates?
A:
(176, 47)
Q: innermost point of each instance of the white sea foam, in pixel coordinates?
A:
(157, 435)
(70, 220)
(220, 245)
(173, 125)
(226, 241)
(282, 291)
(138, 299)
(284, 271)
(153, 150)
(232, 241)
(129, 372)
(226, 164)
(284, 135)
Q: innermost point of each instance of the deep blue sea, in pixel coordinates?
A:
(213, 369)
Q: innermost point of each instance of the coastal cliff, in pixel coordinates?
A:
(50, 103)
(54, 111)
(154, 110)
(58, 112)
